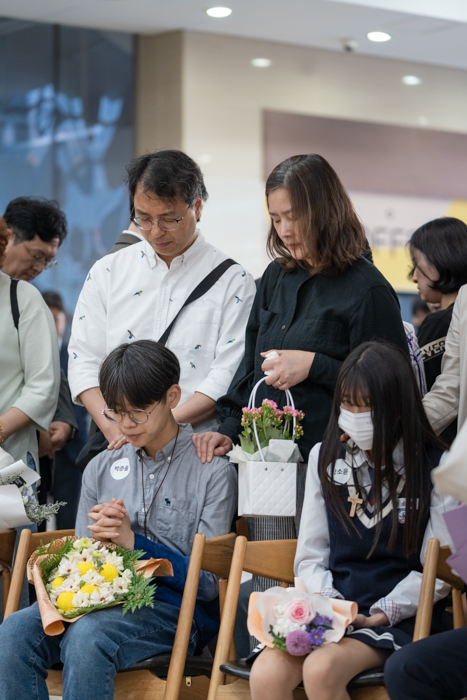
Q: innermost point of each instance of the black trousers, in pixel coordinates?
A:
(434, 668)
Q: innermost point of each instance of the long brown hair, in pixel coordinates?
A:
(3, 239)
(331, 230)
(382, 374)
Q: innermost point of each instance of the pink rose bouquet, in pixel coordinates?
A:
(293, 620)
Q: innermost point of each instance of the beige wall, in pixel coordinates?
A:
(221, 99)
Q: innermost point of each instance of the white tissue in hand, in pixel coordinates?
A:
(271, 356)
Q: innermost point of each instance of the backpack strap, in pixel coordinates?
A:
(14, 302)
(203, 287)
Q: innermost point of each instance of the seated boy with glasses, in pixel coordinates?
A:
(152, 494)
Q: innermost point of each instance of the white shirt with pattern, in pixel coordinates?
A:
(132, 295)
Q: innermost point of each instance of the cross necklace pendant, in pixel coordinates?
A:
(354, 500)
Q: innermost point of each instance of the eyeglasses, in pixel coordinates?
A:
(41, 259)
(164, 224)
(117, 416)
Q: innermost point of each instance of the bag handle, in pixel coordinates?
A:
(203, 287)
(251, 404)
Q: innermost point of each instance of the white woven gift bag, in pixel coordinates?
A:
(267, 489)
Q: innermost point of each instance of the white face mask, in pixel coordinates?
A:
(358, 426)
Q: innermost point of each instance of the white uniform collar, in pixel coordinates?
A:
(181, 260)
(360, 458)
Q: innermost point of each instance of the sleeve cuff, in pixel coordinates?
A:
(390, 608)
(215, 387)
(331, 593)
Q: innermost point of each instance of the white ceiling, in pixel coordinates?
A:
(425, 31)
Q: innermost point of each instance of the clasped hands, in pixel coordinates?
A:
(112, 522)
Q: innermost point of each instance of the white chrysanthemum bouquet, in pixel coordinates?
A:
(78, 575)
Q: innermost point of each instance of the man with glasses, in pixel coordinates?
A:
(138, 291)
(36, 228)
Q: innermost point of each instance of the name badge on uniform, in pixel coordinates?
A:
(120, 469)
(341, 472)
(401, 509)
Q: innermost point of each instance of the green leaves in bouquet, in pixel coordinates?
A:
(278, 642)
(52, 559)
(141, 591)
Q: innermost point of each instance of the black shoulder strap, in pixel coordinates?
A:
(14, 302)
(203, 287)
(124, 240)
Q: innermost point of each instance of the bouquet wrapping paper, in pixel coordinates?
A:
(52, 619)
(279, 612)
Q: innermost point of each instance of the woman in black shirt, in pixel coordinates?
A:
(317, 300)
(439, 255)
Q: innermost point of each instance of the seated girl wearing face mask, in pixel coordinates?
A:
(368, 512)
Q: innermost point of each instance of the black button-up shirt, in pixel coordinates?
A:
(326, 315)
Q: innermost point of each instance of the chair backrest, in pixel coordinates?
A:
(28, 543)
(7, 547)
(436, 567)
(272, 559)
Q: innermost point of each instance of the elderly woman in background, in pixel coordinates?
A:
(29, 365)
(317, 300)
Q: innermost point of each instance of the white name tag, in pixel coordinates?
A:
(120, 469)
(341, 473)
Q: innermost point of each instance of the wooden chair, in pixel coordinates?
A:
(437, 567)
(274, 560)
(166, 672)
(7, 548)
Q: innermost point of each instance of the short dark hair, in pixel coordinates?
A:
(444, 244)
(31, 216)
(332, 231)
(54, 300)
(167, 174)
(138, 373)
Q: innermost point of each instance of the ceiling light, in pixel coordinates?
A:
(219, 11)
(378, 36)
(261, 62)
(411, 80)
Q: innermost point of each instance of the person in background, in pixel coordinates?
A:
(35, 230)
(439, 255)
(65, 476)
(317, 300)
(420, 311)
(136, 293)
(29, 367)
(29, 370)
